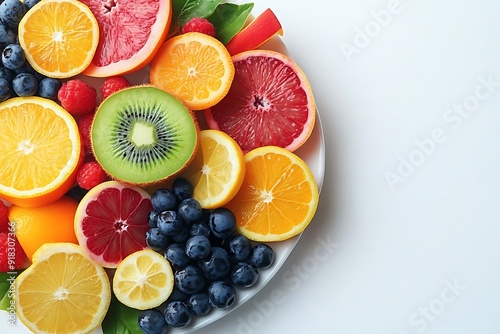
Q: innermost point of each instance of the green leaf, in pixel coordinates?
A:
(229, 18)
(121, 319)
(177, 6)
(6, 280)
(197, 8)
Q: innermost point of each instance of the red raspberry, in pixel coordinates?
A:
(113, 84)
(90, 174)
(12, 255)
(4, 218)
(84, 124)
(197, 24)
(77, 97)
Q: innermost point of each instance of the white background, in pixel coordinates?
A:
(398, 250)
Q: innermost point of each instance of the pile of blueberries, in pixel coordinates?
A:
(210, 260)
(17, 77)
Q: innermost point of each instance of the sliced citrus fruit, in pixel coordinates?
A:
(40, 150)
(131, 32)
(217, 170)
(37, 226)
(270, 103)
(143, 280)
(111, 222)
(194, 67)
(278, 197)
(59, 37)
(63, 291)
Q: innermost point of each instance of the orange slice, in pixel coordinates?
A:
(40, 150)
(195, 68)
(278, 197)
(59, 37)
(217, 170)
(62, 292)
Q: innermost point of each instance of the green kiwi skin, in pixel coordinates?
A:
(143, 182)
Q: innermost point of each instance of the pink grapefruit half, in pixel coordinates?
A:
(270, 103)
(130, 34)
(111, 222)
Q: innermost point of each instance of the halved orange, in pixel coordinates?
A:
(195, 68)
(40, 150)
(59, 37)
(278, 197)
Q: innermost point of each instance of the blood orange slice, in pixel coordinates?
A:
(270, 102)
(130, 34)
(111, 222)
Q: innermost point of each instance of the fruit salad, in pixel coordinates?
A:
(145, 202)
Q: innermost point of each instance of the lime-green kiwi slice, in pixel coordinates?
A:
(142, 135)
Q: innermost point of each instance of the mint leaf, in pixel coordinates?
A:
(6, 280)
(196, 8)
(228, 19)
(121, 319)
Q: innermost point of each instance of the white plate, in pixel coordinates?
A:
(313, 153)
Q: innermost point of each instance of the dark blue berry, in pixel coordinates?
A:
(152, 322)
(177, 314)
(199, 228)
(163, 199)
(244, 275)
(182, 189)
(182, 235)
(169, 222)
(7, 74)
(198, 247)
(48, 88)
(222, 223)
(217, 265)
(176, 256)
(77, 193)
(27, 68)
(240, 247)
(177, 295)
(30, 3)
(190, 209)
(156, 240)
(189, 279)
(25, 84)
(198, 303)
(221, 295)
(13, 56)
(5, 89)
(11, 12)
(153, 218)
(7, 36)
(262, 256)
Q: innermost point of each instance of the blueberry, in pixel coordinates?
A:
(169, 222)
(156, 240)
(190, 209)
(7, 36)
(48, 88)
(27, 68)
(5, 89)
(11, 12)
(198, 303)
(77, 193)
(221, 294)
(176, 256)
(262, 256)
(152, 322)
(13, 56)
(177, 314)
(153, 218)
(222, 223)
(7, 74)
(30, 3)
(163, 199)
(198, 247)
(244, 275)
(217, 265)
(178, 295)
(182, 235)
(182, 189)
(240, 247)
(199, 228)
(189, 279)
(25, 84)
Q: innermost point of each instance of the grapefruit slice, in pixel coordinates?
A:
(111, 222)
(270, 103)
(130, 34)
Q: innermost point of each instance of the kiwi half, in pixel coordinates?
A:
(142, 135)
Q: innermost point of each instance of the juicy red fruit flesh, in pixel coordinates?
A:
(116, 223)
(277, 107)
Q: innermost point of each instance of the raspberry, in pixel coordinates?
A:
(84, 124)
(12, 255)
(77, 97)
(113, 84)
(90, 175)
(197, 24)
(4, 218)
